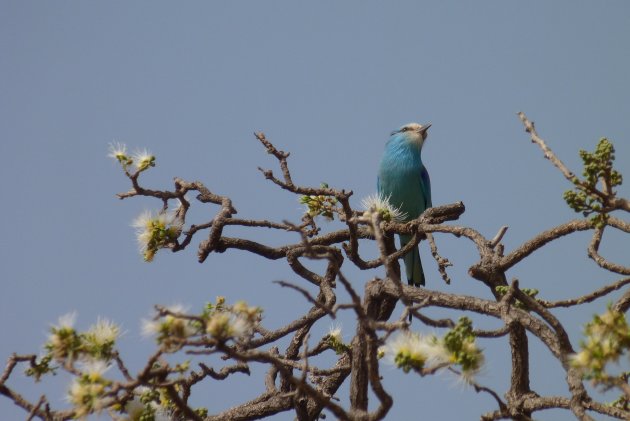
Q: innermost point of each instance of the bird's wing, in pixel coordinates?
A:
(425, 180)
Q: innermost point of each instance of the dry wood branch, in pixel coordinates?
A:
(497, 238)
(478, 388)
(529, 128)
(601, 292)
(442, 262)
(41, 402)
(543, 239)
(33, 409)
(593, 253)
(224, 372)
(297, 381)
(308, 297)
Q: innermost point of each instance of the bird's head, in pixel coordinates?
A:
(413, 132)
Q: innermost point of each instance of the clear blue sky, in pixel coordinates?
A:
(327, 81)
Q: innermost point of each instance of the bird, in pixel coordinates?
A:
(404, 181)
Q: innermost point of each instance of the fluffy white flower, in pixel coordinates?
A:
(223, 325)
(436, 351)
(378, 203)
(334, 332)
(143, 159)
(239, 327)
(405, 342)
(66, 321)
(474, 364)
(149, 327)
(142, 221)
(148, 221)
(581, 360)
(410, 350)
(63, 339)
(144, 228)
(86, 398)
(94, 369)
(171, 324)
(156, 230)
(134, 409)
(467, 377)
(118, 151)
(103, 332)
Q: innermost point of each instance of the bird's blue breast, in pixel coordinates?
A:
(400, 177)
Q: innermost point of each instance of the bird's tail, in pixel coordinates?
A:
(413, 266)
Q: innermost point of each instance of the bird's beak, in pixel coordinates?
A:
(425, 127)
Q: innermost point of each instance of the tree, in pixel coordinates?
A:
(294, 382)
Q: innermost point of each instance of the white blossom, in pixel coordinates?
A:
(143, 159)
(94, 369)
(334, 332)
(156, 230)
(103, 332)
(169, 323)
(66, 321)
(409, 350)
(118, 151)
(149, 327)
(378, 203)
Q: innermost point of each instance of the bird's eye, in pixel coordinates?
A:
(404, 129)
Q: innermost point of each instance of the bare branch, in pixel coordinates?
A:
(529, 128)
(499, 236)
(297, 381)
(542, 239)
(308, 296)
(601, 292)
(593, 254)
(442, 262)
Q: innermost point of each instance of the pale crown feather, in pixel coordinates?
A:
(414, 132)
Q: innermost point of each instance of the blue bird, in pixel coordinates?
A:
(404, 181)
